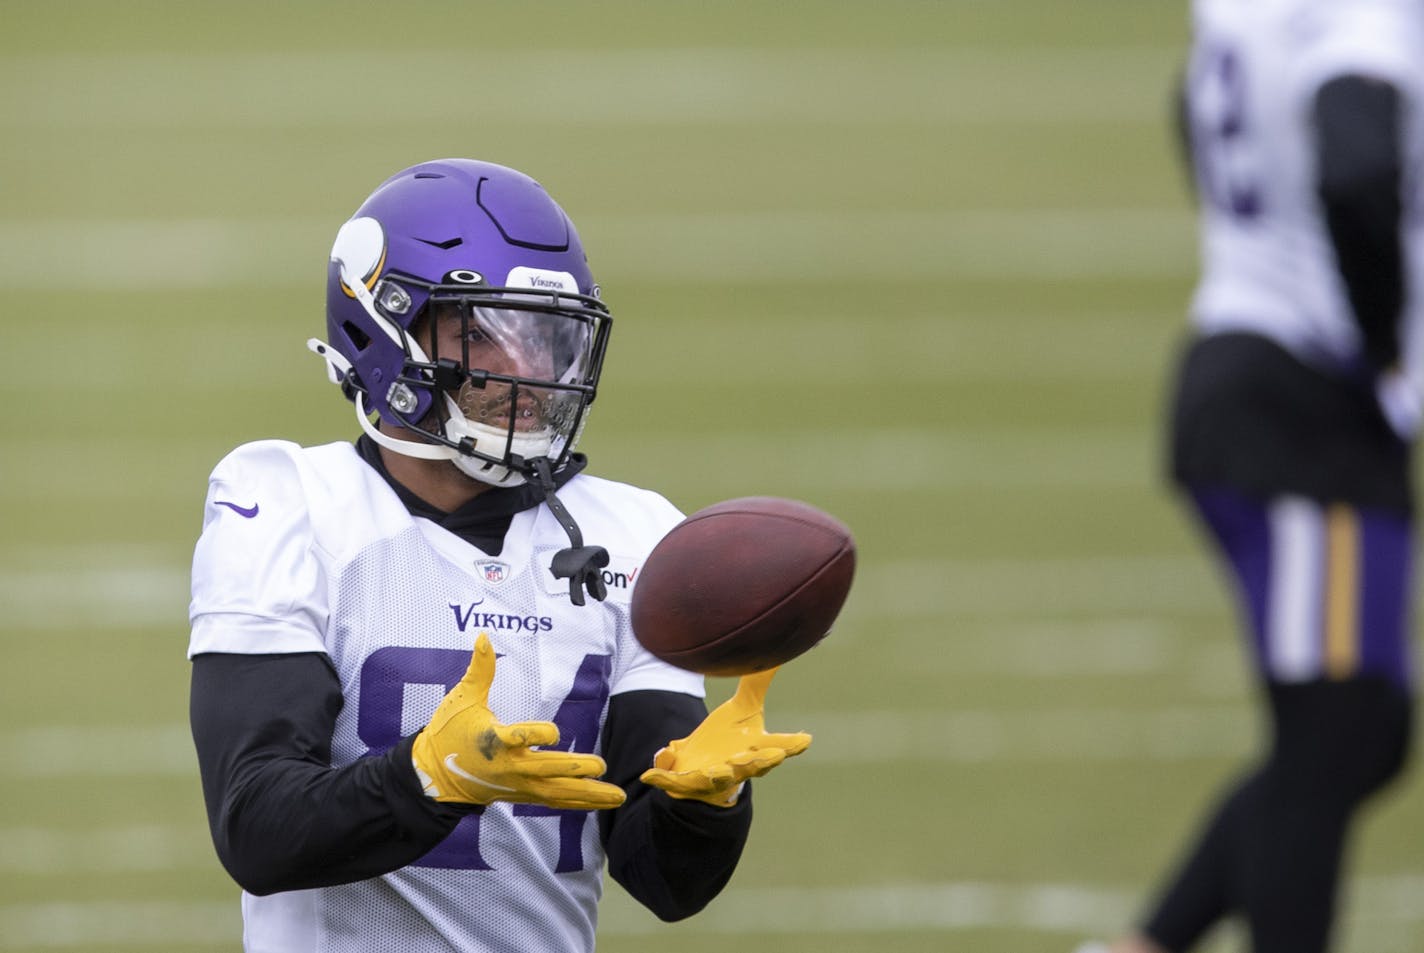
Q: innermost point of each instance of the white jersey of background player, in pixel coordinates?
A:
(1267, 261)
(371, 782)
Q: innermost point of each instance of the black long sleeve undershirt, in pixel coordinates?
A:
(283, 819)
(1357, 123)
(638, 835)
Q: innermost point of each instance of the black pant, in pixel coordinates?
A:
(1272, 849)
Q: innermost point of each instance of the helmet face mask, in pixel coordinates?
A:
(460, 299)
(518, 371)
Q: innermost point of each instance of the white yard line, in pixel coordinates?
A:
(1102, 587)
(99, 924)
(949, 736)
(96, 598)
(99, 751)
(890, 459)
(892, 908)
(859, 87)
(924, 345)
(1387, 909)
(746, 246)
(1014, 736)
(77, 593)
(31, 851)
(942, 459)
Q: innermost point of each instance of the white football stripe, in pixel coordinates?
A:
(1296, 584)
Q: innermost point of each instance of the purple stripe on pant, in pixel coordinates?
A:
(1385, 602)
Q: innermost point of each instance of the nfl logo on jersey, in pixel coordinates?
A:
(493, 571)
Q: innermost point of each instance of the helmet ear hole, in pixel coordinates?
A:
(360, 339)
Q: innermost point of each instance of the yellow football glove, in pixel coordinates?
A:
(465, 754)
(730, 746)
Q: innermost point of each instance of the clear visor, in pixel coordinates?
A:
(525, 373)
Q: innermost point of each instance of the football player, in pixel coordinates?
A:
(422, 720)
(1296, 405)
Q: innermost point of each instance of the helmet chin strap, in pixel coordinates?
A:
(581, 565)
(410, 448)
(337, 367)
(458, 428)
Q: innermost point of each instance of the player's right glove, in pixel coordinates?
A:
(465, 754)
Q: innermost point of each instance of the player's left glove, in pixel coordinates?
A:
(730, 746)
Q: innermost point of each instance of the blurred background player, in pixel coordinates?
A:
(371, 782)
(1296, 405)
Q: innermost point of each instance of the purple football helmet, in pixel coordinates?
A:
(459, 306)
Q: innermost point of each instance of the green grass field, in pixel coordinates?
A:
(920, 263)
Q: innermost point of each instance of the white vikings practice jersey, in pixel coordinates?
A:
(309, 550)
(1256, 65)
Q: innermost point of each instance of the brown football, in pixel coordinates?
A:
(743, 585)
